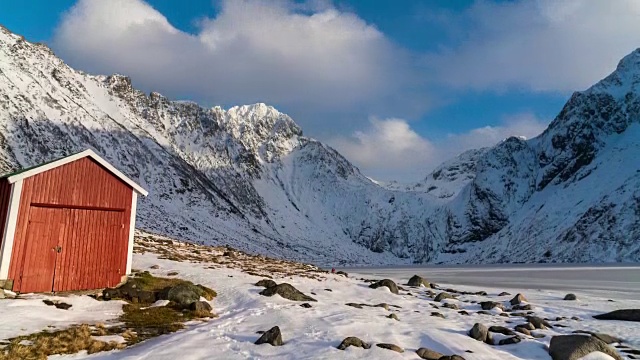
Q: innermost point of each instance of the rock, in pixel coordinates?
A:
(520, 314)
(504, 293)
(488, 305)
(342, 273)
(305, 305)
(437, 314)
(574, 347)
(353, 341)
(443, 295)
(357, 306)
(462, 312)
(570, 297)
(57, 304)
(418, 281)
(200, 306)
(623, 315)
(451, 306)
(386, 282)
(575, 318)
(383, 305)
(481, 333)
(525, 307)
(393, 347)
(539, 323)
(484, 312)
(509, 341)
(266, 283)
(172, 273)
(518, 299)
(503, 314)
(501, 330)
(523, 330)
(154, 267)
(183, 294)
(429, 354)
(286, 291)
(451, 357)
(537, 335)
(604, 337)
(480, 293)
(393, 316)
(272, 337)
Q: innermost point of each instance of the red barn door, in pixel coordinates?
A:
(73, 249)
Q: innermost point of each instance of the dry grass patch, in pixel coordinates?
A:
(40, 345)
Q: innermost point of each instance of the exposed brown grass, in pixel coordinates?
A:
(40, 345)
(225, 256)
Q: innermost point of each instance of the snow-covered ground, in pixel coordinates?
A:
(315, 332)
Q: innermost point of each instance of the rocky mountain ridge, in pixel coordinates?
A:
(248, 177)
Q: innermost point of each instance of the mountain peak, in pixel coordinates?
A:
(624, 79)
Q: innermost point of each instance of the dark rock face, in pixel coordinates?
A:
(272, 337)
(443, 295)
(353, 341)
(266, 283)
(623, 315)
(286, 291)
(570, 297)
(573, 347)
(418, 281)
(391, 347)
(386, 282)
(481, 333)
(429, 354)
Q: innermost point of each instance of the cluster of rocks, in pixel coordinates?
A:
(424, 353)
(285, 290)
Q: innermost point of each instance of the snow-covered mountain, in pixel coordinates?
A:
(248, 177)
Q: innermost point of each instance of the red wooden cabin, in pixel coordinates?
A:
(67, 225)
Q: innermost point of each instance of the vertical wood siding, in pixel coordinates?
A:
(88, 210)
(5, 195)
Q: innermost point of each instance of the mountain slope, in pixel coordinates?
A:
(248, 177)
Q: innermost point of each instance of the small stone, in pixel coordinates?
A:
(462, 312)
(539, 323)
(437, 314)
(305, 305)
(480, 332)
(172, 273)
(355, 305)
(450, 306)
(429, 354)
(266, 283)
(504, 293)
(501, 330)
(272, 337)
(392, 347)
(200, 306)
(353, 341)
(518, 299)
(342, 273)
(488, 305)
(393, 316)
(509, 341)
(154, 267)
(383, 305)
(443, 295)
(387, 283)
(418, 281)
(570, 297)
(523, 307)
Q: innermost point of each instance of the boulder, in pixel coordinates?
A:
(504, 293)
(392, 347)
(604, 337)
(443, 295)
(387, 283)
(570, 297)
(342, 273)
(437, 314)
(574, 347)
(523, 330)
(266, 283)
(272, 337)
(451, 306)
(623, 315)
(522, 307)
(451, 357)
(393, 316)
(286, 291)
(509, 341)
(183, 294)
(488, 305)
(518, 299)
(200, 306)
(429, 354)
(539, 323)
(418, 281)
(353, 341)
(481, 333)
(501, 330)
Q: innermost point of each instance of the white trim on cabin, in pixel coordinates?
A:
(87, 153)
(10, 229)
(132, 226)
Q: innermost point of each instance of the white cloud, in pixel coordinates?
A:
(543, 45)
(391, 150)
(304, 58)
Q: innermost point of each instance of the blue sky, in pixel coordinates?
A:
(397, 87)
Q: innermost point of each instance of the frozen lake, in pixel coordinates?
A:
(616, 281)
